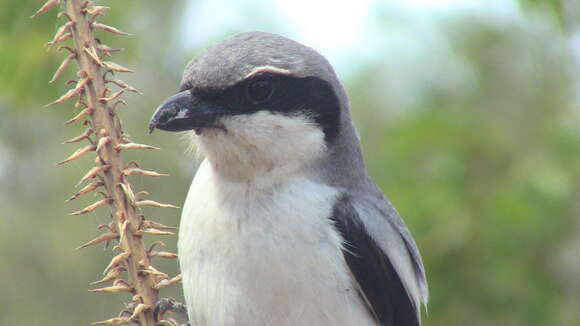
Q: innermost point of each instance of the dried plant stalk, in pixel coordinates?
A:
(106, 139)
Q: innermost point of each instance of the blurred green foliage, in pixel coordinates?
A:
(565, 12)
(488, 179)
(482, 163)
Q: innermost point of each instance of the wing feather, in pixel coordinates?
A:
(379, 284)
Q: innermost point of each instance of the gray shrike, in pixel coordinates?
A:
(282, 225)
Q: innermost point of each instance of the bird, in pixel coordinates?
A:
(282, 224)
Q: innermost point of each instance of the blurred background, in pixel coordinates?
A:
(469, 115)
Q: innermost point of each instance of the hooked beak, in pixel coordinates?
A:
(183, 111)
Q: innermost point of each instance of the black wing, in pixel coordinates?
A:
(380, 287)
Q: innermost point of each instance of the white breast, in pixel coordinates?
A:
(264, 257)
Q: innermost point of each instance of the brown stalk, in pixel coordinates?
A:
(108, 141)
(102, 119)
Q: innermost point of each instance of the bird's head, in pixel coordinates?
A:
(257, 102)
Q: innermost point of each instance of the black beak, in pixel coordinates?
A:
(184, 111)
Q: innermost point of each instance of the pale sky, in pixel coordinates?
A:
(352, 33)
(341, 30)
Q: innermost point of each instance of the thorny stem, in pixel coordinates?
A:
(105, 123)
(127, 226)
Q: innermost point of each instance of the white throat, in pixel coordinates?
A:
(262, 147)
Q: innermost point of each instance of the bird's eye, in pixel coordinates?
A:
(260, 90)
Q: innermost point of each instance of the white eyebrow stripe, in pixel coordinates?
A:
(270, 69)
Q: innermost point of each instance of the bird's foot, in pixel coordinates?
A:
(165, 305)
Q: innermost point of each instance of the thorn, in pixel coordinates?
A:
(154, 244)
(153, 271)
(80, 103)
(102, 238)
(111, 275)
(124, 137)
(139, 309)
(116, 261)
(106, 226)
(118, 286)
(120, 147)
(105, 91)
(113, 289)
(86, 4)
(114, 107)
(112, 97)
(109, 29)
(114, 321)
(137, 298)
(107, 49)
(49, 4)
(82, 114)
(64, 47)
(103, 193)
(128, 193)
(61, 38)
(103, 141)
(82, 83)
(90, 187)
(78, 153)
(142, 193)
(108, 71)
(132, 163)
(92, 207)
(93, 173)
(163, 254)
(123, 85)
(93, 54)
(151, 224)
(67, 96)
(82, 74)
(72, 92)
(120, 216)
(64, 14)
(154, 204)
(62, 67)
(97, 10)
(123, 230)
(116, 67)
(60, 32)
(165, 282)
(132, 171)
(154, 231)
(76, 139)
